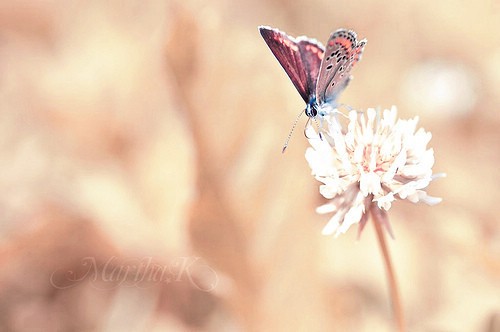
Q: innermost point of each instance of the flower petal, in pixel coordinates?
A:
(375, 159)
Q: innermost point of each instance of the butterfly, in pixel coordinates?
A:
(318, 74)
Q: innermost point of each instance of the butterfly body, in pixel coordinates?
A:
(318, 73)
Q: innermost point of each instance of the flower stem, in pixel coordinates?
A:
(378, 220)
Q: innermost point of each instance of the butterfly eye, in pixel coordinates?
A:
(341, 68)
(329, 67)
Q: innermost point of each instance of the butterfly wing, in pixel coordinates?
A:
(311, 52)
(342, 52)
(300, 58)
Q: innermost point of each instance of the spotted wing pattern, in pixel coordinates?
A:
(300, 58)
(342, 52)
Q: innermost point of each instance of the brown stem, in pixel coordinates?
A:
(378, 220)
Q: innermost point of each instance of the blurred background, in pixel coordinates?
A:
(143, 187)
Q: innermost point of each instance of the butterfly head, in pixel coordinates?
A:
(312, 107)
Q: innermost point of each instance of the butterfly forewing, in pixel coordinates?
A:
(341, 54)
(300, 58)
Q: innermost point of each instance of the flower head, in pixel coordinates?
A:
(375, 160)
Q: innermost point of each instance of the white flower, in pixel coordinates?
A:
(375, 160)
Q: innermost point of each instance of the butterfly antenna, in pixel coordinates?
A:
(291, 131)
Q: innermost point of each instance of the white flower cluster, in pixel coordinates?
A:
(375, 160)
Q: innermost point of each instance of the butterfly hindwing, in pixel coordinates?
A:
(300, 58)
(342, 52)
(312, 54)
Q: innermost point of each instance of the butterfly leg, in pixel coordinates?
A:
(319, 129)
(305, 128)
